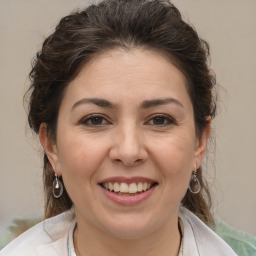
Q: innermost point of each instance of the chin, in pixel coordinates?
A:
(130, 226)
(130, 233)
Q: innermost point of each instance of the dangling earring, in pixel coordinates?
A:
(194, 185)
(57, 189)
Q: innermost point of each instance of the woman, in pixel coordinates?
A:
(122, 99)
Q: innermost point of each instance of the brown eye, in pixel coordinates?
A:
(94, 121)
(160, 120)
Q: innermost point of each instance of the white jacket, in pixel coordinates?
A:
(49, 238)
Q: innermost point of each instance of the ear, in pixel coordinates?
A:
(50, 147)
(201, 145)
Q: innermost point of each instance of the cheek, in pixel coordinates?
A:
(79, 160)
(175, 159)
(79, 157)
(176, 154)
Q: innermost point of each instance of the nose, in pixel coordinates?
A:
(128, 147)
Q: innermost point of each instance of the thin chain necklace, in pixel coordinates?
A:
(71, 248)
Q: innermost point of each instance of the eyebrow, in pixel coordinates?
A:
(99, 102)
(157, 102)
(145, 104)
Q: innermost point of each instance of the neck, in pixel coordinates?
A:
(91, 242)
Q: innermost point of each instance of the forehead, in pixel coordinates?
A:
(135, 72)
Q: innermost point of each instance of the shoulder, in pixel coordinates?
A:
(46, 238)
(199, 238)
(242, 242)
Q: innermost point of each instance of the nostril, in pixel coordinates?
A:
(128, 154)
(133, 163)
(129, 162)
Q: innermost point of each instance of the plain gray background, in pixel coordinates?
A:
(228, 25)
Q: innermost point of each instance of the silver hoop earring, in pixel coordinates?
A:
(57, 189)
(194, 185)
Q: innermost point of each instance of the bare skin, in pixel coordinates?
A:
(127, 116)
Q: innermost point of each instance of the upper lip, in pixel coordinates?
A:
(128, 180)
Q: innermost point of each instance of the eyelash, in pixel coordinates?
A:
(88, 121)
(92, 120)
(166, 119)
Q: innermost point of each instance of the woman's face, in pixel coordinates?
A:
(126, 124)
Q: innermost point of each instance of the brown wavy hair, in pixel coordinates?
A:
(155, 25)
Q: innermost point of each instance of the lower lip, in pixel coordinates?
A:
(128, 200)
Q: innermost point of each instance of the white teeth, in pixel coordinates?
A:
(124, 188)
(132, 188)
(145, 186)
(140, 187)
(110, 186)
(116, 187)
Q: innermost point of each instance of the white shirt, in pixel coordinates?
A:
(50, 238)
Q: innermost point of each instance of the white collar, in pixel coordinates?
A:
(199, 239)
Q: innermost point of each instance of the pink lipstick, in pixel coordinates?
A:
(128, 191)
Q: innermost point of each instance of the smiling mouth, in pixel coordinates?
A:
(125, 189)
